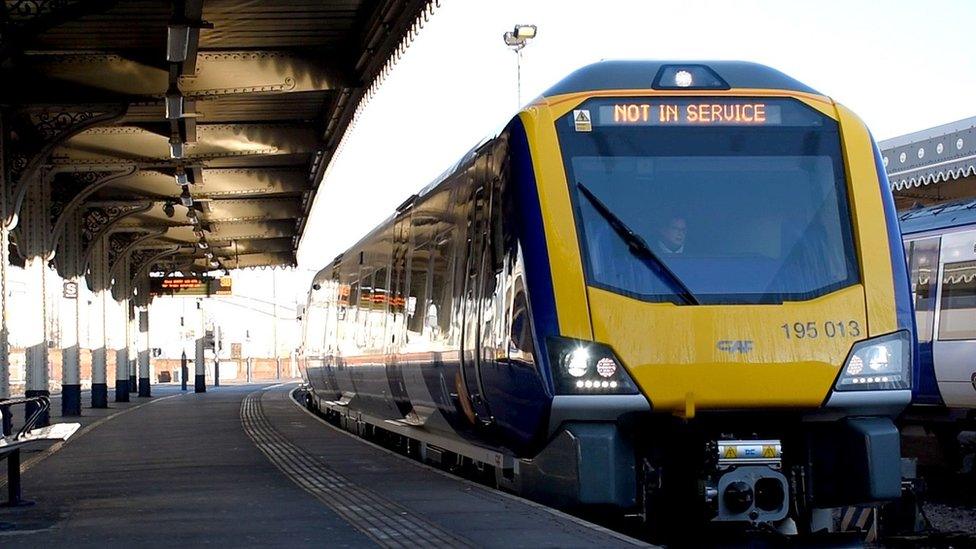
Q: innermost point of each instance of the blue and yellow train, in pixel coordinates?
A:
(675, 289)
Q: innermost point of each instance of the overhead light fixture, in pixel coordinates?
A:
(182, 178)
(209, 254)
(186, 199)
(168, 209)
(203, 244)
(174, 104)
(214, 264)
(177, 43)
(177, 149)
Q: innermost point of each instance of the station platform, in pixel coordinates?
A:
(245, 465)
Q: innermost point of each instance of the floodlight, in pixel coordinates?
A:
(525, 32)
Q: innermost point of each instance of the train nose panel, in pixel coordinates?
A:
(687, 357)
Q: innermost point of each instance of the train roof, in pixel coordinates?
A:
(942, 216)
(628, 75)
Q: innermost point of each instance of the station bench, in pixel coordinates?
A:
(11, 444)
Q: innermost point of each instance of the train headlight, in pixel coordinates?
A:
(588, 368)
(688, 77)
(881, 363)
(576, 362)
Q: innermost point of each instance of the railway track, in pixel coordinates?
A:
(948, 515)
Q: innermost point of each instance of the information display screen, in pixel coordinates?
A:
(687, 112)
(191, 286)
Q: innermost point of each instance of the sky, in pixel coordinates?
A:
(902, 66)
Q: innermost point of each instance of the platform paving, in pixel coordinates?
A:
(245, 466)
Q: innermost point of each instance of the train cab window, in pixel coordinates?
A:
(957, 315)
(730, 213)
(923, 265)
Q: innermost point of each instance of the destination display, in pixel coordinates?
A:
(689, 113)
(190, 286)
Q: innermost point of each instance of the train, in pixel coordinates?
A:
(940, 247)
(670, 290)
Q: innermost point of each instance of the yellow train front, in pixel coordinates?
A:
(670, 288)
(723, 245)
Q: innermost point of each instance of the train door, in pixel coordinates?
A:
(923, 267)
(474, 271)
(954, 348)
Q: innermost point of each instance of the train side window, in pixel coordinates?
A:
(957, 314)
(365, 291)
(377, 327)
(353, 300)
(442, 262)
(923, 265)
(521, 332)
(365, 310)
(398, 278)
(316, 323)
(380, 289)
(417, 295)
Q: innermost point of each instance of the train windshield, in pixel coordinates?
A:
(700, 201)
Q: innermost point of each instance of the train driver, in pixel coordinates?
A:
(672, 235)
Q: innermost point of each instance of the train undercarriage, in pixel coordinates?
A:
(701, 482)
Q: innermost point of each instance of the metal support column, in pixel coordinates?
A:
(36, 232)
(4, 304)
(143, 314)
(200, 348)
(98, 334)
(132, 339)
(200, 365)
(120, 326)
(216, 350)
(184, 371)
(70, 350)
(4, 287)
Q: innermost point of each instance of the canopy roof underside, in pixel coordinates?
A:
(236, 105)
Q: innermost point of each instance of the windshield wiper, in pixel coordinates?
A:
(637, 244)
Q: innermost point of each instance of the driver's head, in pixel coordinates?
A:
(673, 233)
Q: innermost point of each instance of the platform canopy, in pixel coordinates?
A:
(201, 127)
(932, 166)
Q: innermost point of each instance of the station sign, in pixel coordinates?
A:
(70, 289)
(190, 286)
